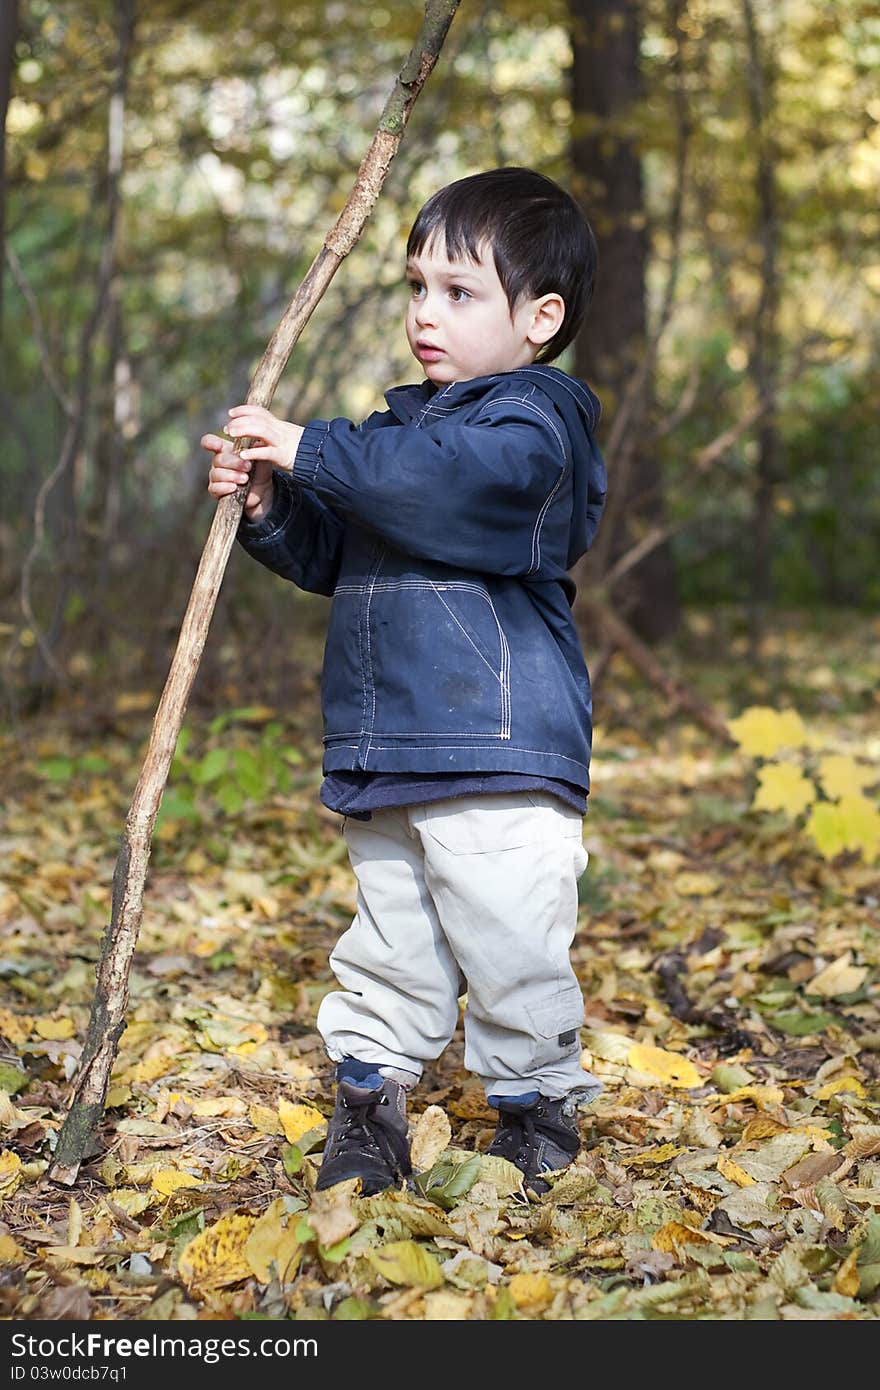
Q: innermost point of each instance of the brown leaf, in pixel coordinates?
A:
(71, 1303)
(811, 1168)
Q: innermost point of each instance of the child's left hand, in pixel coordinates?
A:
(279, 438)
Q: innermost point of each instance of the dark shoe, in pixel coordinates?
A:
(539, 1135)
(367, 1137)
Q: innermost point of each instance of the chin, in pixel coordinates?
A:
(441, 373)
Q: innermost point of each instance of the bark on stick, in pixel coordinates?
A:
(107, 1020)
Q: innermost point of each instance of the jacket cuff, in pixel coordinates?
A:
(308, 454)
(277, 517)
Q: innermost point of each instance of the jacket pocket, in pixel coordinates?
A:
(439, 662)
(556, 1025)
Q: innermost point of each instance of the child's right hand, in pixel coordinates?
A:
(228, 472)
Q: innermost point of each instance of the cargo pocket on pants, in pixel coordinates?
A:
(556, 1025)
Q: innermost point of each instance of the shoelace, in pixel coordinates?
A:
(520, 1133)
(364, 1120)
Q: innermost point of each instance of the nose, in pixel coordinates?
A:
(426, 311)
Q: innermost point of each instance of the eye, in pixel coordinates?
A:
(458, 295)
(415, 288)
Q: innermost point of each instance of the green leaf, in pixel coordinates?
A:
(177, 806)
(56, 769)
(211, 766)
(250, 776)
(448, 1181)
(220, 960)
(292, 1158)
(94, 762)
(11, 1078)
(352, 1310)
(334, 1254)
(230, 798)
(504, 1308)
(799, 1025)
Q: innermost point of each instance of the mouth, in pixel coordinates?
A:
(427, 352)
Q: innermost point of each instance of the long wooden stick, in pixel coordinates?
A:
(107, 1020)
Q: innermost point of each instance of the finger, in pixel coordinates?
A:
(251, 429)
(229, 475)
(213, 441)
(267, 452)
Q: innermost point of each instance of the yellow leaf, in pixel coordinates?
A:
(216, 1256)
(840, 775)
(431, 1136)
(840, 977)
(861, 819)
(168, 1180)
(762, 1127)
(297, 1120)
(11, 1252)
(667, 1067)
(607, 1045)
(691, 885)
(674, 1234)
(129, 1200)
(127, 701)
(853, 823)
(145, 1071)
(531, 1290)
(55, 1029)
(10, 1173)
(652, 1157)
(16, 1027)
(761, 1095)
(265, 1119)
(783, 787)
(840, 1083)
(74, 1222)
(847, 1279)
(826, 828)
(405, 1262)
(272, 1247)
(732, 1171)
(65, 1255)
(218, 1105)
(761, 730)
(36, 166)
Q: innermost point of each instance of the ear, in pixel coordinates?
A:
(547, 314)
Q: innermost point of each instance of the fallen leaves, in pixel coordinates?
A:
(730, 1168)
(217, 1256)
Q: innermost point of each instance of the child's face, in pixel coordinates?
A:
(459, 323)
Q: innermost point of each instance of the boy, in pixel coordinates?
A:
(455, 697)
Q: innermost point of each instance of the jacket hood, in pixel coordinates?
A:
(580, 410)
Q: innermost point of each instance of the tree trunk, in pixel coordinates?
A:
(764, 357)
(606, 85)
(8, 32)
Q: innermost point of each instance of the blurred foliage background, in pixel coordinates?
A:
(170, 170)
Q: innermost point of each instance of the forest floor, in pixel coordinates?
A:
(729, 1170)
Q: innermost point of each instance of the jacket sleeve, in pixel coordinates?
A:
(477, 495)
(300, 538)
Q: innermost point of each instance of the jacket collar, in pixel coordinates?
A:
(408, 401)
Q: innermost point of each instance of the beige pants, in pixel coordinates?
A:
(472, 895)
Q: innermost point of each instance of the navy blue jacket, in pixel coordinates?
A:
(444, 528)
